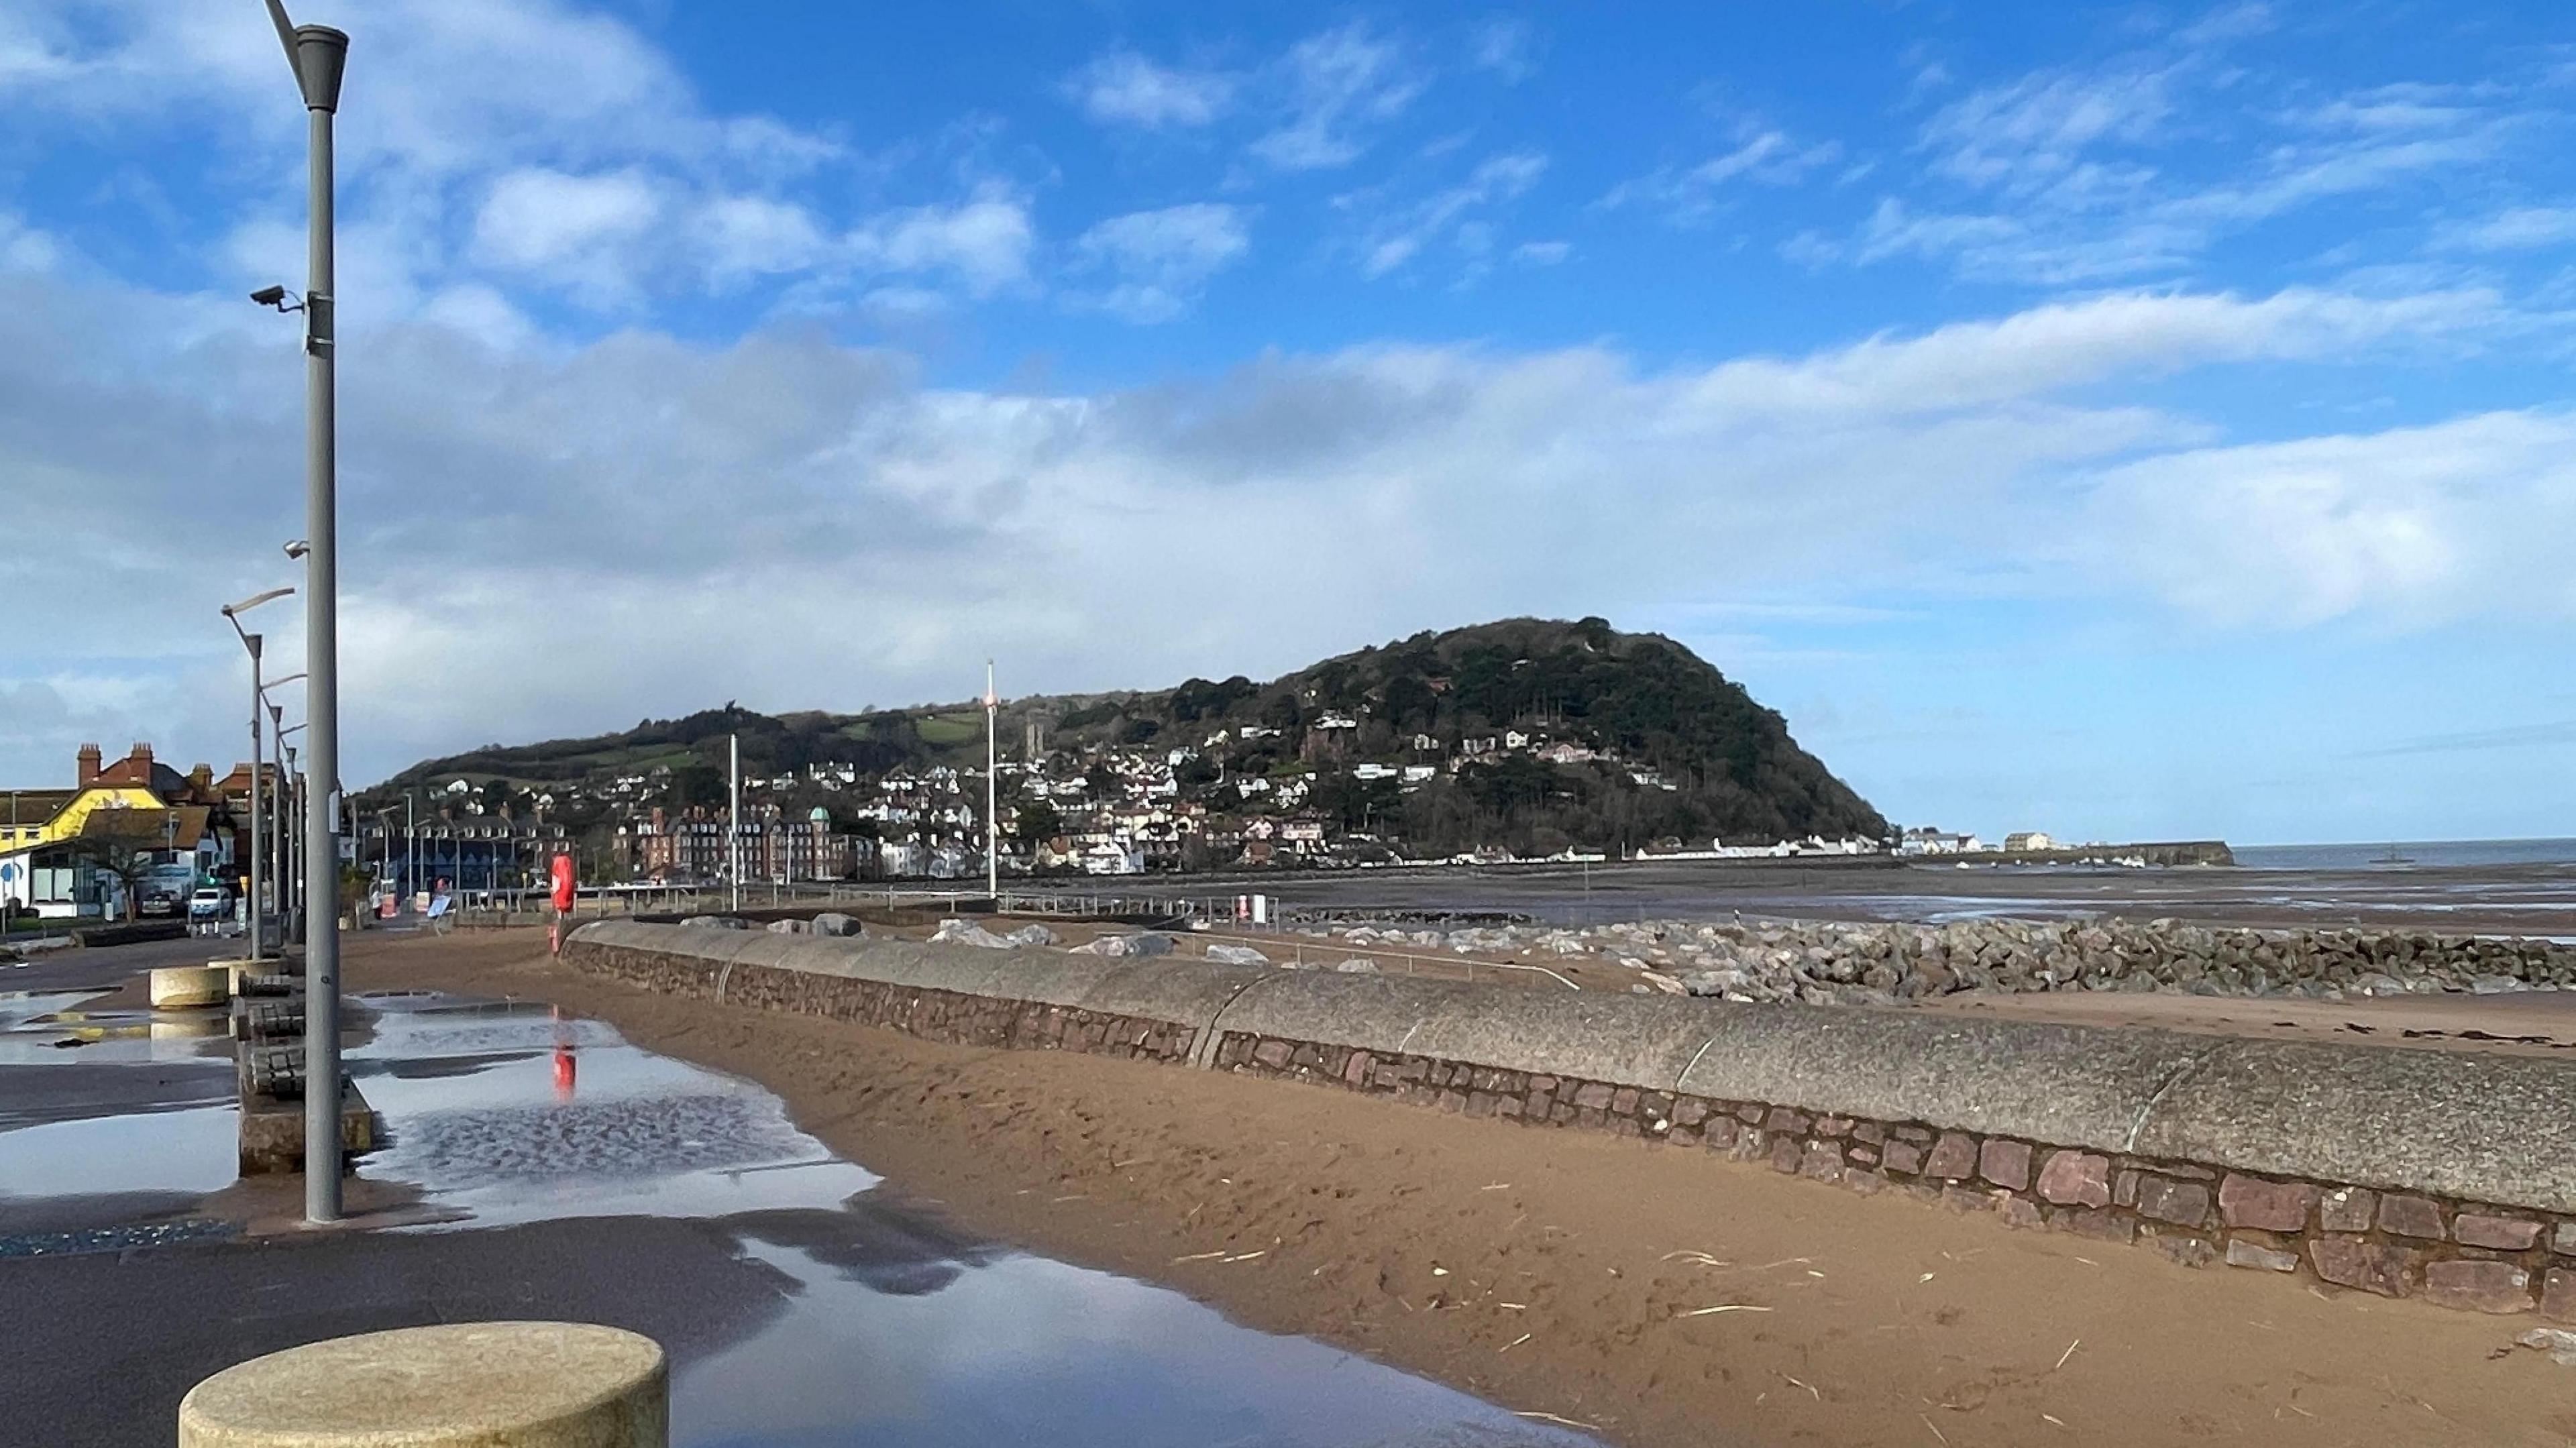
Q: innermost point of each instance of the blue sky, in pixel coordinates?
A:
(2119, 420)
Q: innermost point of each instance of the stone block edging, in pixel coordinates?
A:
(2444, 1176)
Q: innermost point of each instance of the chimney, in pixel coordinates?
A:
(88, 765)
(141, 758)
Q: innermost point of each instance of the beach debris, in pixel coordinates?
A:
(1552, 1418)
(1725, 1307)
(2070, 1352)
(2559, 1343)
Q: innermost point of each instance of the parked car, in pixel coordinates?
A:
(211, 902)
(159, 900)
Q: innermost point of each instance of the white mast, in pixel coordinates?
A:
(733, 824)
(992, 794)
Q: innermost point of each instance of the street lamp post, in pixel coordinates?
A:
(300, 851)
(285, 913)
(280, 815)
(250, 642)
(992, 795)
(318, 54)
(291, 908)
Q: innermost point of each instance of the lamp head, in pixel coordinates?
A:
(298, 548)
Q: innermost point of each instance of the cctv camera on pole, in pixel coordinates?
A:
(317, 55)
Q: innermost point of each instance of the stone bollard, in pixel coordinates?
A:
(485, 1384)
(176, 986)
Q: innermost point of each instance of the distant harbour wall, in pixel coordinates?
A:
(2407, 1173)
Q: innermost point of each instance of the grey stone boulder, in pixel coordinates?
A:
(1237, 955)
(966, 932)
(1031, 935)
(833, 922)
(1126, 945)
(720, 922)
(786, 927)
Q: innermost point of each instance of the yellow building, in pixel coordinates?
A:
(134, 798)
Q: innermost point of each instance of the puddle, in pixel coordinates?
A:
(888, 1329)
(190, 1151)
(482, 1122)
(18, 1007)
(1023, 1349)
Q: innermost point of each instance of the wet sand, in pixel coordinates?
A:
(1558, 1273)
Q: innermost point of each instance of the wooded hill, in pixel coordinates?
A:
(1648, 706)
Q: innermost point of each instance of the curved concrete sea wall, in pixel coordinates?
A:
(2410, 1173)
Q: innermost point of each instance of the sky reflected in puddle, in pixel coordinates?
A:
(194, 1151)
(890, 1329)
(1026, 1350)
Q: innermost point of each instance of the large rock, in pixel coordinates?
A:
(967, 932)
(719, 922)
(833, 922)
(1237, 955)
(1031, 934)
(1126, 945)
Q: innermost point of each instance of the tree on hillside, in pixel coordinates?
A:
(1036, 820)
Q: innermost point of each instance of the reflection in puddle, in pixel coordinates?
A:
(1028, 1350)
(891, 1328)
(18, 1007)
(193, 1151)
(480, 1121)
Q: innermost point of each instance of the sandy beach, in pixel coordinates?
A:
(1657, 1296)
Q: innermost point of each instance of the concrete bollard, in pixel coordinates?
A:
(177, 986)
(485, 1384)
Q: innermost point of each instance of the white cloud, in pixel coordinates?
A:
(1162, 258)
(1502, 45)
(984, 241)
(1542, 253)
(2141, 165)
(2520, 228)
(748, 236)
(1124, 88)
(2464, 518)
(580, 230)
(885, 534)
(1762, 155)
(23, 248)
(1396, 239)
(1338, 84)
(2027, 133)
